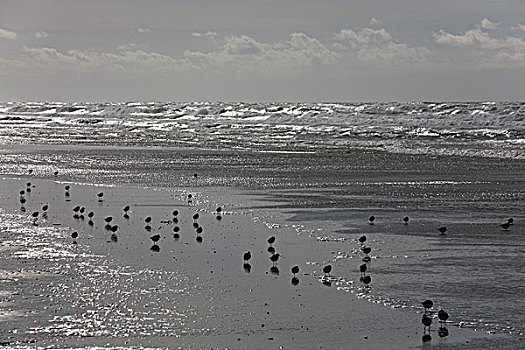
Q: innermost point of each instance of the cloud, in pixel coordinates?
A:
(378, 47)
(41, 34)
(519, 26)
(208, 35)
(493, 52)
(487, 24)
(374, 22)
(143, 30)
(9, 35)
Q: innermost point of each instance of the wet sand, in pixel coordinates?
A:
(188, 295)
(118, 292)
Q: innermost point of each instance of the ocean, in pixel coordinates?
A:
(315, 171)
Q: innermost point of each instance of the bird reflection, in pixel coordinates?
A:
(155, 248)
(114, 238)
(442, 332)
(274, 270)
(247, 267)
(295, 281)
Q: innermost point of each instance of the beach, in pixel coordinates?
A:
(111, 292)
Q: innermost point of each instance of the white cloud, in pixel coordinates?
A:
(519, 26)
(490, 51)
(378, 47)
(41, 34)
(374, 22)
(143, 30)
(487, 24)
(208, 35)
(9, 35)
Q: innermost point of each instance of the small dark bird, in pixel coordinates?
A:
(196, 225)
(74, 235)
(76, 209)
(218, 210)
(148, 219)
(22, 192)
(442, 315)
(363, 268)
(175, 213)
(126, 208)
(176, 229)
(362, 239)
(366, 250)
(247, 256)
(442, 229)
(405, 219)
(114, 228)
(367, 280)
(371, 219)
(271, 240)
(90, 214)
(199, 239)
(55, 173)
(426, 320)
(505, 225)
(510, 221)
(82, 210)
(176, 236)
(67, 187)
(35, 214)
(108, 219)
(427, 304)
(147, 228)
(28, 184)
(295, 270)
(100, 195)
(155, 238)
(195, 216)
(271, 250)
(426, 338)
(199, 230)
(45, 207)
(327, 269)
(22, 200)
(274, 258)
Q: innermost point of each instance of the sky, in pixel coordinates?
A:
(262, 50)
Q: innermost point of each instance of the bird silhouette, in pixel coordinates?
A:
(442, 315)
(274, 258)
(371, 219)
(366, 250)
(295, 270)
(362, 239)
(247, 256)
(271, 240)
(427, 304)
(405, 219)
(327, 269)
(442, 229)
(155, 238)
(505, 226)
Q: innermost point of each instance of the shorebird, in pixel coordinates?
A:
(126, 209)
(427, 304)
(90, 214)
(271, 250)
(76, 209)
(148, 219)
(442, 229)
(108, 219)
(366, 250)
(362, 239)
(274, 258)
(371, 219)
(247, 256)
(175, 213)
(218, 210)
(74, 235)
(199, 239)
(45, 207)
(505, 225)
(176, 229)
(199, 230)
(327, 269)
(271, 240)
(426, 320)
(405, 219)
(196, 216)
(443, 316)
(100, 196)
(295, 270)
